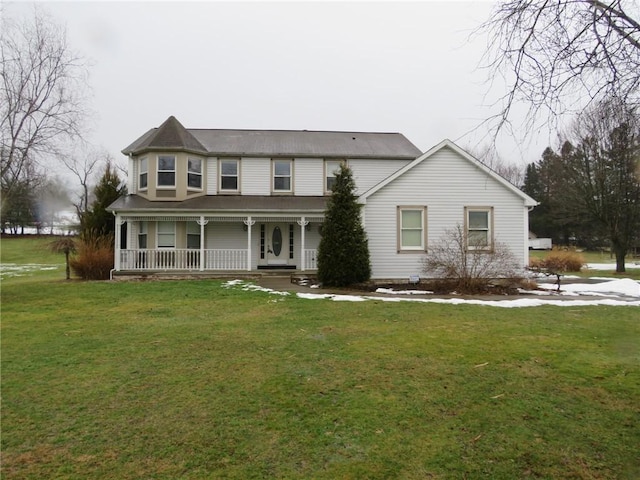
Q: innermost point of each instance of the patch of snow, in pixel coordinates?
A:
(610, 266)
(252, 287)
(403, 292)
(623, 286)
(611, 289)
(15, 270)
(516, 303)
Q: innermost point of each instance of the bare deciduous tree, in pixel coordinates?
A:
(41, 93)
(559, 56)
(469, 269)
(509, 171)
(84, 165)
(602, 168)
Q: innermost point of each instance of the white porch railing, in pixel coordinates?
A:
(189, 259)
(310, 259)
(183, 259)
(225, 259)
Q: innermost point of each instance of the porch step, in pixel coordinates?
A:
(277, 267)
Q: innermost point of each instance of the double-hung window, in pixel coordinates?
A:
(194, 173)
(282, 175)
(412, 231)
(229, 175)
(166, 234)
(166, 171)
(143, 175)
(478, 227)
(142, 235)
(331, 169)
(193, 235)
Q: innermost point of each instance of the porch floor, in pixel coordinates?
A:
(293, 274)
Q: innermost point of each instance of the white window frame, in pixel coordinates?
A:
(194, 173)
(144, 162)
(158, 171)
(488, 229)
(221, 175)
(143, 230)
(274, 176)
(402, 228)
(329, 173)
(159, 233)
(193, 230)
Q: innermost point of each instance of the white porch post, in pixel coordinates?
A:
(249, 223)
(202, 222)
(116, 250)
(303, 223)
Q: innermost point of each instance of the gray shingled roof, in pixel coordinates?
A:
(224, 203)
(271, 143)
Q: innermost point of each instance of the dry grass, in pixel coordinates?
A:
(559, 261)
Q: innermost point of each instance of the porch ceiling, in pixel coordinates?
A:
(215, 204)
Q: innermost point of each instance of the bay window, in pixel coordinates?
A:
(194, 173)
(166, 171)
(144, 174)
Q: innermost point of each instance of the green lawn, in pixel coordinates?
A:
(187, 379)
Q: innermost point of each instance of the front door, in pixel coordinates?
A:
(277, 244)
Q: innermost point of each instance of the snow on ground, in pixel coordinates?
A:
(618, 292)
(15, 270)
(615, 288)
(610, 266)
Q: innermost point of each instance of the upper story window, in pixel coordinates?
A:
(282, 176)
(478, 224)
(194, 173)
(166, 171)
(411, 229)
(331, 169)
(229, 175)
(143, 176)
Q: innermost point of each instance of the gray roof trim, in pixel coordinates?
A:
(274, 143)
(213, 205)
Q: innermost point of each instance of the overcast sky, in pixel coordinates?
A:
(363, 66)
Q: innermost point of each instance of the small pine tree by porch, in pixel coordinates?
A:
(343, 253)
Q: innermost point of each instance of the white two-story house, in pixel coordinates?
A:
(214, 200)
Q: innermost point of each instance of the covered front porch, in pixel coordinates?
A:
(216, 243)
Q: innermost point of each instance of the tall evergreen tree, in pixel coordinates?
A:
(343, 253)
(97, 221)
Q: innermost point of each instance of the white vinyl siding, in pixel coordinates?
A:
(369, 172)
(308, 176)
(212, 175)
(256, 176)
(132, 179)
(447, 183)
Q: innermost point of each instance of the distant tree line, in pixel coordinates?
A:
(589, 188)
